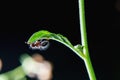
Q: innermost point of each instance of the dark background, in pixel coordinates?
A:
(20, 19)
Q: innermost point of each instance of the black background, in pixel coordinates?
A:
(20, 19)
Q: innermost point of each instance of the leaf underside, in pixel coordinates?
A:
(44, 34)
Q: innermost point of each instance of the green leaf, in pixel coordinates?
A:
(43, 34)
(38, 35)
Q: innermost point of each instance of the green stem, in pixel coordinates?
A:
(87, 60)
(16, 74)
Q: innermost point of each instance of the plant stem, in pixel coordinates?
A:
(87, 60)
(16, 74)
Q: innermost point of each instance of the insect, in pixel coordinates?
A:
(41, 44)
